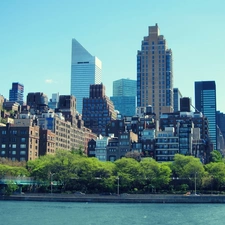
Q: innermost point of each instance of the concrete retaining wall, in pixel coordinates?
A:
(118, 199)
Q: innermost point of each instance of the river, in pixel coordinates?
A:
(72, 213)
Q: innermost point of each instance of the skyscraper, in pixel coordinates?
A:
(124, 87)
(205, 102)
(85, 70)
(176, 99)
(154, 73)
(16, 93)
(124, 96)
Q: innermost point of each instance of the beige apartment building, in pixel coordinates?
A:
(155, 73)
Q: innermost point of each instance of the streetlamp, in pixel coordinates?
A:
(211, 181)
(51, 175)
(195, 183)
(118, 185)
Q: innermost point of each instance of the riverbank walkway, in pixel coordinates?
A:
(132, 198)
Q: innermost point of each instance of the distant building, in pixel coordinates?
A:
(220, 118)
(176, 99)
(19, 142)
(67, 105)
(124, 96)
(110, 148)
(47, 142)
(16, 93)
(155, 73)
(119, 146)
(184, 124)
(38, 102)
(54, 101)
(205, 102)
(91, 148)
(100, 148)
(2, 99)
(98, 110)
(185, 104)
(12, 106)
(166, 145)
(85, 70)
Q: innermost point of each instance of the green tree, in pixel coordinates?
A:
(154, 174)
(216, 156)
(129, 173)
(6, 170)
(10, 188)
(188, 169)
(216, 174)
(186, 166)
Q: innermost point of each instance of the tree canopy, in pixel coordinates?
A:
(72, 171)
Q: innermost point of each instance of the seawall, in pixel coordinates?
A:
(118, 199)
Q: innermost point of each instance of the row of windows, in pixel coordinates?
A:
(3, 152)
(14, 146)
(15, 132)
(165, 158)
(13, 139)
(167, 146)
(166, 140)
(167, 152)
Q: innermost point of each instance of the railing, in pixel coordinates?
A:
(19, 180)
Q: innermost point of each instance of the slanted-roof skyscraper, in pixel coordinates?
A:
(154, 73)
(205, 102)
(85, 70)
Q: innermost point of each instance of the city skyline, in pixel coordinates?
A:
(36, 50)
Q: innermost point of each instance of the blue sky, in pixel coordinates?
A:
(35, 41)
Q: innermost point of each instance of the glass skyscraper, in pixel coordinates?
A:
(16, 93)
(154, 73)
(124, 96)
(85, 70)
(205, 102)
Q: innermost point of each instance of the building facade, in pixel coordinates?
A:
(19, 142)
(155, 73)
(67, 105)
(125, 87)
(221, 122)
(54, 101)
(37, 101)
(167, 145)
(16, 93)
(205, 102)
(124, 96)
(85, 70)
(98, 110)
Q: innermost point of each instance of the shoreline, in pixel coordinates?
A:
(133, 198)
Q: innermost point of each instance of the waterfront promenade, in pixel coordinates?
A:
(139, 198)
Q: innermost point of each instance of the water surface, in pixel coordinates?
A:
(71, 213)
